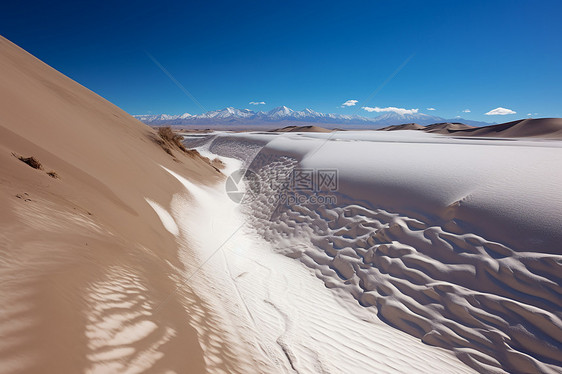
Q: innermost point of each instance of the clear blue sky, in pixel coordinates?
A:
(476, 55)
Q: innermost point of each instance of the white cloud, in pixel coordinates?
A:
(499, 111)
(349, 103)
(466, 111)
(430, 108)
(390, 109)
(529, 114)
(257, 103)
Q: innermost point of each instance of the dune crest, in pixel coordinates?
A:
(546, 128)
(86, 261)
(464, 255)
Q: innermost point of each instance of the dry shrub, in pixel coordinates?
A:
(31, 161)
(193, 153)
(34, 163)
(168, 136)
(218, 163)
(169, 140)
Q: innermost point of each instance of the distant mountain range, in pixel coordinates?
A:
(246, 117)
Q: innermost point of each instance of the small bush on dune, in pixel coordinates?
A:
(34, 163)
(31, 161)
(218, 164)
(167, 139)
(166, 133)
(168, 136)
(53, 174)
(193, 153)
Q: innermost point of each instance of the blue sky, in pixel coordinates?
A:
(455, 55)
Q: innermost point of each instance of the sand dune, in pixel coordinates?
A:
(546, 128)
(406, 126)
(550, 128)
(86, 269)
(446, 128)
(122, 253)
(280, 317)
(461, 253)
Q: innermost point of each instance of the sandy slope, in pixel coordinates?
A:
(540, 128)
(119, 266)
(545, 128)
(86, 266)
(454, 241)
(446, 128)
(406, 126)
(278, 316)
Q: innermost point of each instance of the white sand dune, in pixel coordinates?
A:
(456, 242)
(273, 313)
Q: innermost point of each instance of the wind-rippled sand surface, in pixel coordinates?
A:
(460, 252)
(274, 313)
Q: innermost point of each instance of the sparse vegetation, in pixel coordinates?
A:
(53, 174)
(218, 164)
(34, 163)
(171, 138)
(31, 161)
(194, 153)
(167, 139)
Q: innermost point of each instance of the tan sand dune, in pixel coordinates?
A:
(550, 128)
(446, 128)
(86, 266)
(406, 126)
(547, 128)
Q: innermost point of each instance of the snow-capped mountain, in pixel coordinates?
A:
(241, 117)
(389, 119)
(280, 113)
(227, 113)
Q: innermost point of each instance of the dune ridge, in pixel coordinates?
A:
(546, 128)
(550, 128)
(279, 315)
(110, 266)
(425, 270)
(87, 268)
(406, 126)
(446, 128)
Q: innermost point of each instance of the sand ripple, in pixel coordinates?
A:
(496, 308)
